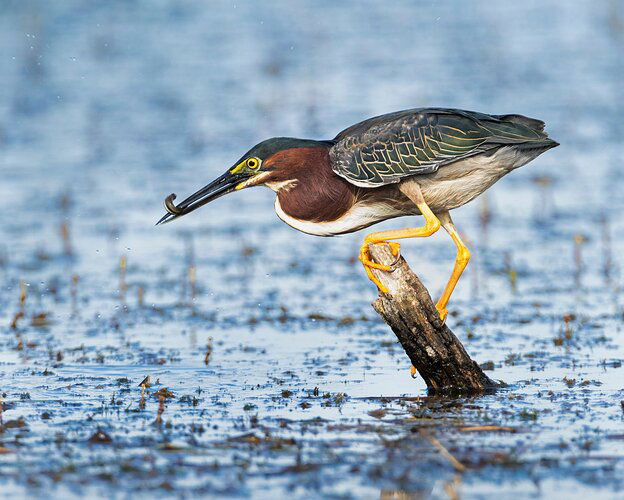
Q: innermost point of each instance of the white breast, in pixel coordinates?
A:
(358, 217)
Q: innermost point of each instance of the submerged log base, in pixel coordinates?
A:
(434, 350)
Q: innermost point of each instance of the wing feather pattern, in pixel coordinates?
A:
(387, 148)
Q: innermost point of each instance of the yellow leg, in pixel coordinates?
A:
(431, 226)
(461, 261)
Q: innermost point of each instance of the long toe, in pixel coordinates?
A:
(396, 251)
(367, 262)
(372, 277)
(374, 265)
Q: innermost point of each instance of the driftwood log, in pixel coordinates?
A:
(436, 353)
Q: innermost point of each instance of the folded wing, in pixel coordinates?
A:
(387, 148)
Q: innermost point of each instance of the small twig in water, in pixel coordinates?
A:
(579, 240)
(452, 486)
(23, 292)
(67, 248)
(567, 319)
(511, 272)
(19, 315)
(74, 294)
(161, 410)
(444, 452)
(488, 428)
(123, 262)
(22, 305)
(192, 275)
(208, 351)
(145, 383)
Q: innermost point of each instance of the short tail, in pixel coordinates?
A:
(525, 121)
(541, 146)
(537, 146)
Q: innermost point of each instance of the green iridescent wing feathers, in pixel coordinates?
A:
(387, 148)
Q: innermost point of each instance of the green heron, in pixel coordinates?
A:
(424, 161)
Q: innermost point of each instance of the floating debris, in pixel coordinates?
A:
(40, 320)
(22, 304)
(443, 451)
(100, 437)
(165, 393)
(488, 428)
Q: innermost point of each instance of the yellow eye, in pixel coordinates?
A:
(253, 163)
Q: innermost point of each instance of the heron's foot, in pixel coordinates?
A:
(365, 259)
(442, 311)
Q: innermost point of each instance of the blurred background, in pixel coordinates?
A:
(108, 107)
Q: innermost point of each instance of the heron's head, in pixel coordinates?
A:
(273, 162)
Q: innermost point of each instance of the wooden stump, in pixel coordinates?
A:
(437, 354)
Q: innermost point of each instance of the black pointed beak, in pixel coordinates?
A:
(217, 188)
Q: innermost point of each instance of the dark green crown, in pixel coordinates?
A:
(265, 149)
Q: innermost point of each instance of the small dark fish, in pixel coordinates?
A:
(170, 207)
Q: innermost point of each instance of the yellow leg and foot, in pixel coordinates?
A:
(432, 225)
(461, 261)
(368, 264)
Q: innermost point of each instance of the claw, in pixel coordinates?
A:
(369, 264)
(374, 265)
(395, 247)
(443, 312)
(396, 251)
(372, 277)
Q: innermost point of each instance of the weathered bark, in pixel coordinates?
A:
(437, 354)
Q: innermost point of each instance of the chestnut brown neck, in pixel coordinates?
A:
(310, 190)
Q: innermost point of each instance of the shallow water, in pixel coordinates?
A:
(282, 380)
